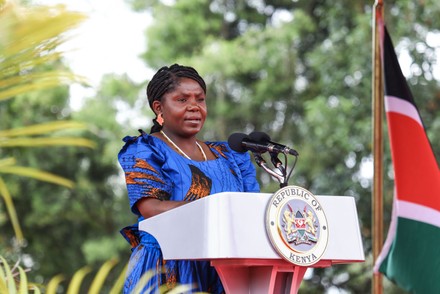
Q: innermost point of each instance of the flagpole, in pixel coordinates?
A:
(377, 113)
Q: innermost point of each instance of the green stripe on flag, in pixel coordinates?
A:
(414, 258)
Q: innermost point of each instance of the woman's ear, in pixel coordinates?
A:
(157, 107)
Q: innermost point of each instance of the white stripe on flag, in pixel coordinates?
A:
(390, 237)
(407, 210)
(395, 104)
(418, 212)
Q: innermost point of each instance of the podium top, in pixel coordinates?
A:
(232, 225)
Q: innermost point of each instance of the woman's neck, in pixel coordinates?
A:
(188, 147)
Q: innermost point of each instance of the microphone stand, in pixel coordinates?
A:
(262, 163)
(279, 165)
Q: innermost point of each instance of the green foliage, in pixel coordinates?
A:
(15, 280)
(28, 40)
(67, 228)
(27, 45)
(36, 116)
(176, 33)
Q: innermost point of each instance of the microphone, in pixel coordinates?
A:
(241, 143)
(259, 136)
(264, 138)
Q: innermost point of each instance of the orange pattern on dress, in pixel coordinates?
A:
(140, 163)
(200, 185)
(170, 274)
(221, 149)
(132, 178)
(132, 237)
(157, 193)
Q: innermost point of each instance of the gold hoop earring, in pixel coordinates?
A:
(159, 119)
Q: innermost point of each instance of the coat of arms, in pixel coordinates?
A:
(300, 227)
(297, 226)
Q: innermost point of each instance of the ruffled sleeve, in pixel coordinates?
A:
(240, 164)
(142, 164)
(247, 170)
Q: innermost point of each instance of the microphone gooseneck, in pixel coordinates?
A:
(264, 138)
(259, 143)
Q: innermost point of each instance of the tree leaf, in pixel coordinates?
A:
(101, 276)
(119, 284)
(7, 161)
(43, 128)
(38, 142)
(8, 277)
(37, 174)
(53, 284)
(4, 192)
(23, 285)
(78, 277)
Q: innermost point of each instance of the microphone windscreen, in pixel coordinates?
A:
(259, 137)
(235, 141)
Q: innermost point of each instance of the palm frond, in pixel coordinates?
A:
(37, 174)
(180, 289)
(21, 285)
(33, 286)
(39, 142)
(7, 161)
(7, 277)
(3, 286)
(119, 284)
(15, 280)
(29, 38)
(101, 276)
(78, 277)
(4, 193)
(20, 85)
(43, 128)
(23, 282)
(143, 281)
(53, 284)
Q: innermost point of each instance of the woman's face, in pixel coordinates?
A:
(183, 109)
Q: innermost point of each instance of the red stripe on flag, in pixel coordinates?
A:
(417, 176)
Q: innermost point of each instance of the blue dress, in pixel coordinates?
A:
(153, 169)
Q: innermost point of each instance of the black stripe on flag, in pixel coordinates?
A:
(395, 82)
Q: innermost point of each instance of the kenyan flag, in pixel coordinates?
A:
(411, 254)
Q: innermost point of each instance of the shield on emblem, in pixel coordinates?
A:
(300, 223)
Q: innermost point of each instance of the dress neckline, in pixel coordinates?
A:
(180, 155)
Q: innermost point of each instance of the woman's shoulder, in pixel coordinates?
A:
(144, 143)
(222, 149)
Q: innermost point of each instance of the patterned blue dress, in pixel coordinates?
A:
(153, 169)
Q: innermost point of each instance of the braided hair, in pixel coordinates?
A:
(165, 80)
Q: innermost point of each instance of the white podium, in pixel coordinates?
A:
(229, 230)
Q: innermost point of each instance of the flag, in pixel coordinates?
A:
(411, 254)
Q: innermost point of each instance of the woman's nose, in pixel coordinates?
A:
(193, 104)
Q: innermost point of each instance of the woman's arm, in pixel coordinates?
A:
(149, 206)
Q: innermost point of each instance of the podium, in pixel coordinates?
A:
(229, 230)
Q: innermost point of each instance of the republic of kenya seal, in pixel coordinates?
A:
(297, 226)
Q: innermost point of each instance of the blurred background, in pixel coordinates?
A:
(72, 85)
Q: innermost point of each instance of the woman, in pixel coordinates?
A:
(170, 167)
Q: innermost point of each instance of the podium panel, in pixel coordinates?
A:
(229, 229)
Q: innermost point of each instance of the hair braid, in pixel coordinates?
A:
(165, 80)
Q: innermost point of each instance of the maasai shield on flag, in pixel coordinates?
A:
(411, 253)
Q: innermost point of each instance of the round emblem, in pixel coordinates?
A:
(297, 226)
